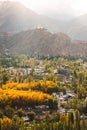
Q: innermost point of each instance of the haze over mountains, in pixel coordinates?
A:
(15, 19)
(78, 28)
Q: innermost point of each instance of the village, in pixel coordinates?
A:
(47, 70)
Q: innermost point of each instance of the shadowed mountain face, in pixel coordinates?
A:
(41, 42)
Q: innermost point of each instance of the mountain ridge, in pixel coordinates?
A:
(40, 41)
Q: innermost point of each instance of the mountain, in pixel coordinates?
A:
(41, 42)
(15, 17)
(77, 28)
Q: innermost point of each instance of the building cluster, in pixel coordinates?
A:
(64, 75)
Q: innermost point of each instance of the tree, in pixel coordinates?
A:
(52, 103)
(31, 115)
(9, 112)
(4, 77)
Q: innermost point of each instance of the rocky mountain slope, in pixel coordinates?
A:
(40, 41)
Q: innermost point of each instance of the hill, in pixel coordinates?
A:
(40, 41)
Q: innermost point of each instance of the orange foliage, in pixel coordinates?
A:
(6, 123)
(40, 86)
(22, 98)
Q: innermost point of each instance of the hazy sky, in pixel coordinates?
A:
(53, 7)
